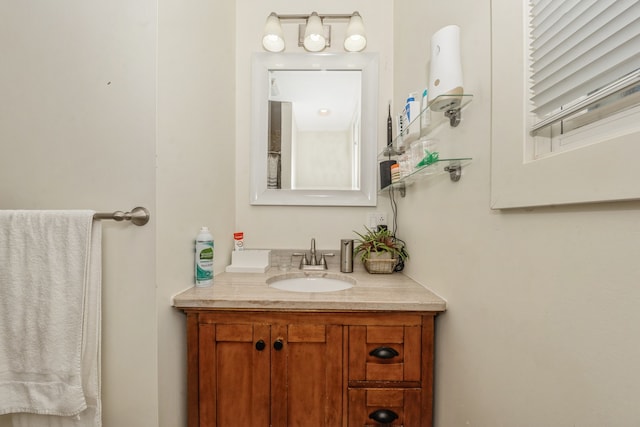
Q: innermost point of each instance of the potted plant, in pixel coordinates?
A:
(380, 250)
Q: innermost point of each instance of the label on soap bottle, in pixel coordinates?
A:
(204, 262)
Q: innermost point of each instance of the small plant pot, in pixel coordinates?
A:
(380, 265)
(380, 251)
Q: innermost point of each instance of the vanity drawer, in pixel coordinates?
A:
(384, 407)
(385, 353)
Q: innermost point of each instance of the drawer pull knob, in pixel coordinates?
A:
(278, 345)
(383, 416)
(260, 345)
(384, 353)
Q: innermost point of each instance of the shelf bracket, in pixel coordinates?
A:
(455, 171)
(454, 115)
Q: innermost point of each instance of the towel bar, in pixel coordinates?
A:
(138, 216)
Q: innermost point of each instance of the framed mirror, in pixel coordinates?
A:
(313, 129)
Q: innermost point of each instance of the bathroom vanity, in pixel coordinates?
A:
(259, 356)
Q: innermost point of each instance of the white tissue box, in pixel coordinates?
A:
(249, 261)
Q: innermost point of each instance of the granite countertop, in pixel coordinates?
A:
(377, 292)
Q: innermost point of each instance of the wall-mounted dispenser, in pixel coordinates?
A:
(445, 76)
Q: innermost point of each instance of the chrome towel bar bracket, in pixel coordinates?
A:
(138, 216)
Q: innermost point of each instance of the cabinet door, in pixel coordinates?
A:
(234, 375)
(306, 375)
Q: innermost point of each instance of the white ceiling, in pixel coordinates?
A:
(311, 90)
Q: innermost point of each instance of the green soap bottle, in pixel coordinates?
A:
(204, 258)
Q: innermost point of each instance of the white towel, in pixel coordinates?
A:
(50, 289)
(273, 165)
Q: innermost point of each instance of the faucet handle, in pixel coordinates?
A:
(303, 260)
(323, 261)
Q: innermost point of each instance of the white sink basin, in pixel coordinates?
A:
(309, 284)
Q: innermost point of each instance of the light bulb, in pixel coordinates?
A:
(314, 40)
(273, 39)
(355, 39)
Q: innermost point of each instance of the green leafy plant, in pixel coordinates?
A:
(380, 241)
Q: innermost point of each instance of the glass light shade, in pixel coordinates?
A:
(355, 39)
(314, 40)
(273, 38)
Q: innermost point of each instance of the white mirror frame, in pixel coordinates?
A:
(262, 63)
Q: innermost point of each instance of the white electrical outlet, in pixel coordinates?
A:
(375, 219)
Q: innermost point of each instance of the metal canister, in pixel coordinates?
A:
(346, 255)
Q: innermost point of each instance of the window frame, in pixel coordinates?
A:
(597, 172)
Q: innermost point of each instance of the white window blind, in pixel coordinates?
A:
(581, 52)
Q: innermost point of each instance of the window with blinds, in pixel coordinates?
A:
(584, 63)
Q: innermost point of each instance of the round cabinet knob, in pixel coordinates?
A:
(260, 345)
(278, 344)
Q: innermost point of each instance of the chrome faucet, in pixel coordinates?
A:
(314, 259)
(312, 262)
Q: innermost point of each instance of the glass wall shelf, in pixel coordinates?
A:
(450, 105)
(451, 166)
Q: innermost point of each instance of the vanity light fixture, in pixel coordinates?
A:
(313, 34)
(273, 38)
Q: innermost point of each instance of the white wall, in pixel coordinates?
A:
(542, 325)
(195, 186)
(324, 160)
(77, 130)
(112, 106)
(294, 226)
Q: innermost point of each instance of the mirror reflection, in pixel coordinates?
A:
(314, 129)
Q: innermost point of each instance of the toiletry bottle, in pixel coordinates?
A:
(413, 113)
(204, 258)
(238, 241)
(395, 172)
(399, 146)
(425, 117)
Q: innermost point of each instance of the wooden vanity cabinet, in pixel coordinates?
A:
(281, 369)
